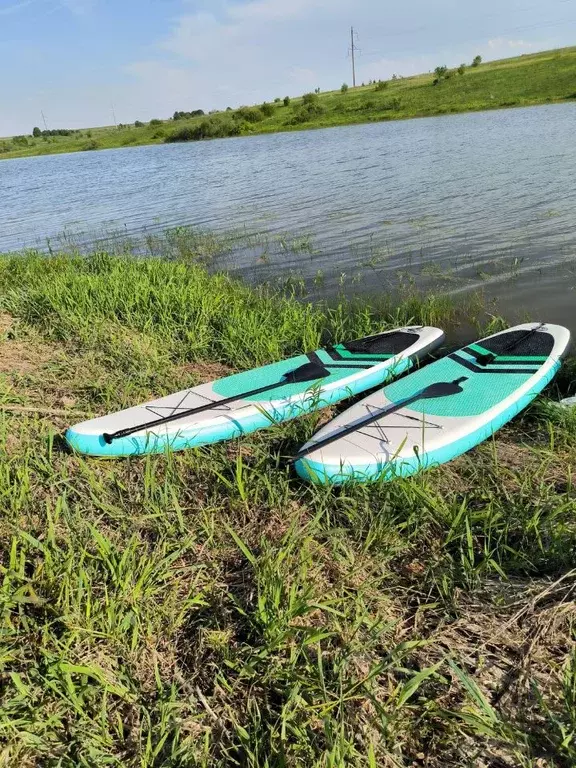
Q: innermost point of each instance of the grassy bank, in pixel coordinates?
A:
(209, 609)
(540, 78)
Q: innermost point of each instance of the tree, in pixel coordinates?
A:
(250, 114)
(344, 88)
(185, 115)
(310, 98)
(155, 121)
(286, 101)
(267, 109)
(381, 85)
(440, 73)
(477, 61)
(307, 112)
(36, 132)
(461, 69)
(316, 90)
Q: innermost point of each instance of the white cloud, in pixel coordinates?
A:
(8, 10)
(499, 43)
(274, 10)
(164, 87)
(403, 67)
(195, 36)
(248, 53)
(79, 7)
(202, 35)
(305, 78)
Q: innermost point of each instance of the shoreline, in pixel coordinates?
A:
(531, 80)
(300, 129)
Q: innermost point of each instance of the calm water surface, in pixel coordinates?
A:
(484, 200)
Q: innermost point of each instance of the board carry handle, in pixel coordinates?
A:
(307, 372)
(439, 389)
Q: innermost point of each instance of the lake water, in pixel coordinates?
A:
(475, 201)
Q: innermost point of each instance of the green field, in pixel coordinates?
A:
(541, 78)
(208, 608)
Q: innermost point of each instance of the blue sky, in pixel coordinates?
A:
(74, 59)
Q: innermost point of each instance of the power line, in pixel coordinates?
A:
(352, 51)
(353, 61)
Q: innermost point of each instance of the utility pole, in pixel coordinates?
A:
(44, 120)
(353, 60)
(114, 115)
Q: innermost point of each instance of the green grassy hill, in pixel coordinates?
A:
(539, 78)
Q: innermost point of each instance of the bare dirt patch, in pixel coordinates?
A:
(202, 371)
(6, 322)
(23, 357)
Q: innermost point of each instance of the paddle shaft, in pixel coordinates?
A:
(190, 412)
(355, 427)
(307, 372)
(350, 429)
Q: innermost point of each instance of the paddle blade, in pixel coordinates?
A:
(307, 372)
(443, 388)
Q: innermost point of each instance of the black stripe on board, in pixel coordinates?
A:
(314, 358)
(335, 355)
(474, 353)
(476, 369)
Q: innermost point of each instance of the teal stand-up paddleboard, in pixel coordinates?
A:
(244, 402)
(439, 411)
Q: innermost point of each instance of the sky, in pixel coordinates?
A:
(87, 62)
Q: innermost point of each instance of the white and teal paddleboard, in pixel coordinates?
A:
(439, 411)
(244, 402)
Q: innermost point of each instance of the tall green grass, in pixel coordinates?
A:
(208, 608)
(181, 313)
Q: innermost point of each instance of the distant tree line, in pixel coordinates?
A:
(186, 115)
(36, 132)
(443, 73)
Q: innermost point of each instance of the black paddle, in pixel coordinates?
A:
(439, 389)
(306, 372)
